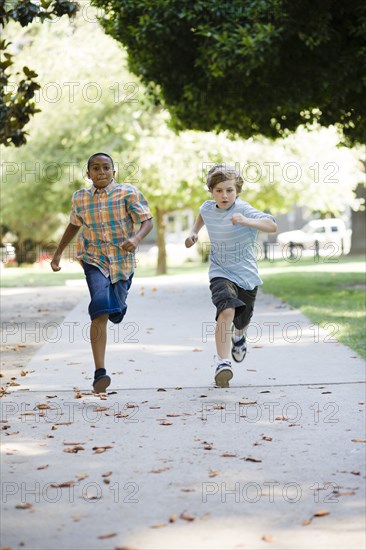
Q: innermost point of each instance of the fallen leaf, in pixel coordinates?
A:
(23, 373)
(63, 484)
(43, 406)
(24, 506)
(81, 476)
(250, 459)
(187, 517)
(73, 443)
(109, 536)
(358, 440)
(268, 538)
(99, 450)
(321, 513)
(247, 402)
(165, 423)
(228, 455)
(75, 449)
(159, 470)
(100, 409)
(173, 415)
(213, 473)
(173, 518)
(197, 349)
(266, 438)
(356, 472)
(187, 490)
(257, 346)
(42, 467)
(281, 418)
(307, 521)
(107, 474)
(158, 526)
(344, 493)
(160, 389)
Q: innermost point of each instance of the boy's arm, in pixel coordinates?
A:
(131, 244)
(70, 232)
(261, 224)
(193, 237)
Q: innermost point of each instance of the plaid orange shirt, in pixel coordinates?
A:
(107, 217)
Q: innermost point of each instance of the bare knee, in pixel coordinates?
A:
(226, 315)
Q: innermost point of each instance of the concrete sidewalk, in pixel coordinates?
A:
(167, 461)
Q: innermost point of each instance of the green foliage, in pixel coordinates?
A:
(17, 91)
(248, 67)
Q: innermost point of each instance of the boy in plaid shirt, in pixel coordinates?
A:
(106, 212)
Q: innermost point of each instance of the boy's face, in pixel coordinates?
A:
(101, 171)
(224, 194)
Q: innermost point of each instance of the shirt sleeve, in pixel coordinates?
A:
(137, 206)
(251, 212)
(75, 219)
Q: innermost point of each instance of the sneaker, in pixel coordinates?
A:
(239, 350)
(223, 374)
(101, 383)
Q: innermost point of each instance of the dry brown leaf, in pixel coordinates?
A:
(187, 517)
(81, 476)
(307, 521)
(75, 449)
(158, 526)
(358, 440)
(266, 438)
(109, 536)
(23, 373)
(257, 346)
(73, 443)
(356, 472)
(228, 455)
(187, 490)
(107, 474)
(24, 506)
(100, 409)
(213, 473)
(250, 459)
(247, 402)
(99, 450)
(159, 470)
(268, 538)
(161, 389)
(281, 418)
(344, 493)
(165, 423)
(321, 513)
(43, 406)
(69, 483)
(42, 467)
(173, 518)
(173, 415)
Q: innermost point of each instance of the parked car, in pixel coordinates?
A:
(7, 253)
(330, 234)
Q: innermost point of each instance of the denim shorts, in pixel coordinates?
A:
(106, 297)
(226, 294)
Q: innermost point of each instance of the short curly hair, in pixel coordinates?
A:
(224, 172)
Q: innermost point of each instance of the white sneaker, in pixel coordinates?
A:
(239, 350)
(223, 374)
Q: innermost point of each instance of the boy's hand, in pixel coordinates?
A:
(55, 264)
(239, 219)
(191, 240)
(131, 244)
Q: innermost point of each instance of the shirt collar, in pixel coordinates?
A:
(108, 189)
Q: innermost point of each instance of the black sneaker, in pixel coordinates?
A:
(239, 350)
(101, 382)
(223, 374)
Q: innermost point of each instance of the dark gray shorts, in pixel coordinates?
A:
(226, 294)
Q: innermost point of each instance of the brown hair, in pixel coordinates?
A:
(223, 172)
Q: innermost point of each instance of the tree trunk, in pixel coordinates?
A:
(161, 267)
(358, 242)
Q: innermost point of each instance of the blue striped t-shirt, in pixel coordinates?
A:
(232, 253)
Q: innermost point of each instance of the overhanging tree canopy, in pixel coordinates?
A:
(249, 67)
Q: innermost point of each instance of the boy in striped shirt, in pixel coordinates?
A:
(107, 213)
(232, 225)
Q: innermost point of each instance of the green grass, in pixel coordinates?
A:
(325, 294)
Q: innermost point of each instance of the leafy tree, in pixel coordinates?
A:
(17, 91)
(248, 67)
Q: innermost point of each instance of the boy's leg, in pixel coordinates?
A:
(98, 339)
(223, 332)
